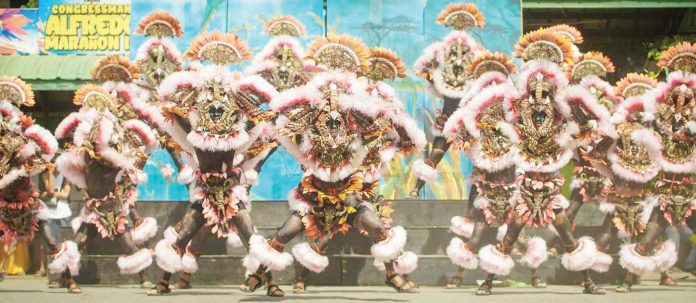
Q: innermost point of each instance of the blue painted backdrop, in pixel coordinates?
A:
(405, 26)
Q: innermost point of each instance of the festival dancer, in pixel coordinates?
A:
(326, 126)
(670, 141)
(443, 66)
(405, 139)
(476, 129)
(222, 116)
(627, 199)
(26, 149)
(543, 143)
(100, 158)
(595, 101)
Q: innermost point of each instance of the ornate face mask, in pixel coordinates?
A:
(218, 114)
(457, 60)
(331, 138)
(158, 65)
(288, 71)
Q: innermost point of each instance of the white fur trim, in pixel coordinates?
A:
(406, 263)
(234, 241)
(634, 262)
(251, 264)
(12, 176)
(583, 257)
(310, 259)
(547, 68)
(267, 255)
(495, 262)
(189, 263)
(297, 203)
(44, 139)
(67, 258)
(215, 143)
(460, 255)
(536, 253)
(461, 226)
(170, 234)
(144, 132)
(167, 258)
(186, 175)
(136, 262)
(602, 262)
(666, 256)
(145, 231)
(424, 171)
(170, 49)
(390, 248)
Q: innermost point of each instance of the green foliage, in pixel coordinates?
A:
(31, 4)
(656, 48)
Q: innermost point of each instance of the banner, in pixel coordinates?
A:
(19, 32)
(86, 26)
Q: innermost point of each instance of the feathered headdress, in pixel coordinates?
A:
(93, 96)
(569, 32)
(219, 48)
(591, 63)
(385, 64)
(16, 91)
(284, 25)
(340, 52)
(544, 45)
(461, 16)
(679, 57)
(486, 62)
(634, 84)
(160, 24)
(115, 68)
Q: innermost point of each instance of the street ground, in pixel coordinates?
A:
(26, 289)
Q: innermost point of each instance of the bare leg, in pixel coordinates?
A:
(576, 201)
(440, 145)
(367, 220)
(299, 286)
(129, 247)
(565, 233)
(505, 246)
(473, 243)
(194, 248)
(291, 228)
(185, 229)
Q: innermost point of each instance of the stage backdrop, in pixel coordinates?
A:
(405, 26)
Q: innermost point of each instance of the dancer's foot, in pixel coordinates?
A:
(146, 284)
(414, 194)
(253, 282)
(159, 289)
(183, 284)
(666, 280)
(400, 284)
(592, 289)
(484, 289)
(40, 273)
(299, 287)
(537, 282)
(455, 282)
(274, 291)
(73, 288)
(623, 288)
(56, 284)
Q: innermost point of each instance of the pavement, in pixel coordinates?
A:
(34, 290)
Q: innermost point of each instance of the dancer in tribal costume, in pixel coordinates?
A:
(280, 63)
(443, 66)
(670, 141)
(542, 137)
(595, 101)
(404, 139)
(219, 115)
(328, 128)
(479, 129)
(26, 149)
(101, 155)
(627, 199)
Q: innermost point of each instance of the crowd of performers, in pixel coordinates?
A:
(331, 108)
